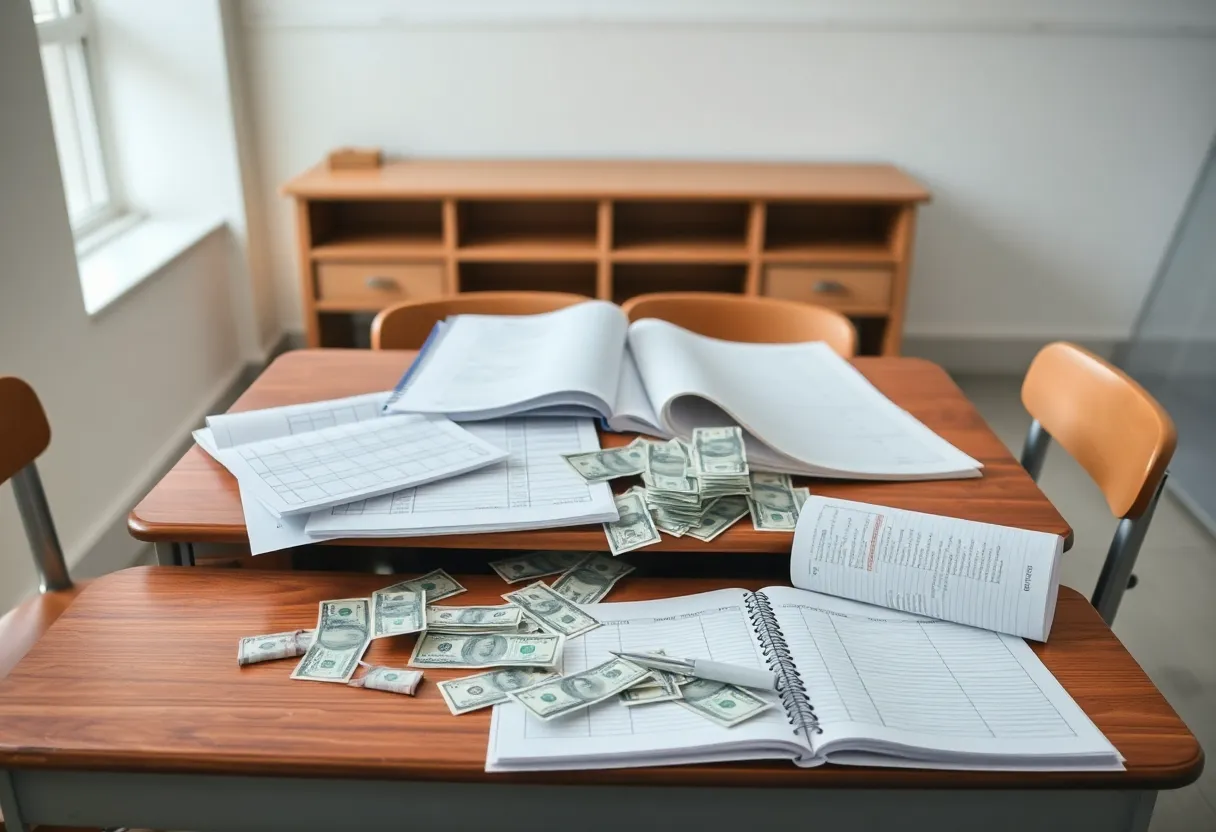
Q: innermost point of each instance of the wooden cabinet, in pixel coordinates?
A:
(832, 234)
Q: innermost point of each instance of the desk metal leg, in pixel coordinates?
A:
(8, 805)
(174, 554)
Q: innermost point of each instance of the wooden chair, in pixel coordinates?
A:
(407, 325)
(1118, 433)
(755, 320)
(24, 435)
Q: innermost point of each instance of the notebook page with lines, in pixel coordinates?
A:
(228, 429)
(532, 488)
(608, 735)
(307, 471)
(887, 685)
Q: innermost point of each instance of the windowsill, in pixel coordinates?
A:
(115, 267)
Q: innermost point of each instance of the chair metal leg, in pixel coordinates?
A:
(40, 530)
(1121, 558)
(1034, 449)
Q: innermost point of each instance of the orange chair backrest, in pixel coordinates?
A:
(24, 430)
(1106, 421)
(406, 326)
(754, 320)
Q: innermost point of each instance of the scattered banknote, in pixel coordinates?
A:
(396, 612)
(558, 697)
(648, 695)
(634, 529)
(390, 679)
(487, 650)
(254, 649)
(772, 504)
(720, 516)
(343, 634)
(505, 618)
(722, 704)
(592, 579)
(437, 585)
(482, 690)
(610, 463)
(551, 611)
(536, 565)
(801, 495)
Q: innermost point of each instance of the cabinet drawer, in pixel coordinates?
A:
(377, 285)
(859, 291)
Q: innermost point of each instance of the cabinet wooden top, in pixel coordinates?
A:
(486, 179)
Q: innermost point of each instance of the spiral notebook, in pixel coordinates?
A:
(857, 684)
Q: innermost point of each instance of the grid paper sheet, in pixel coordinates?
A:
(308, 471)
(534, 487)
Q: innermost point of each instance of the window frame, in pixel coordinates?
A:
(78, 27)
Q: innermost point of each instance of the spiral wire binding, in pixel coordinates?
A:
(790, 687)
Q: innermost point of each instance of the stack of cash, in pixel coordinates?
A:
(719, 462)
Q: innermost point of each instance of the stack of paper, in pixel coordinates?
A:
(341, 468)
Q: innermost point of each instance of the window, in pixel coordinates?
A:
(64, 29)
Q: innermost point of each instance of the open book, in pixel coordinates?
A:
(803, 409)
(857, 685)
(995, 577)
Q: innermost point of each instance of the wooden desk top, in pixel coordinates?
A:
(573, 179)
(140, 674)
(198, 501)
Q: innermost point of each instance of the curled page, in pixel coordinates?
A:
(993, 577)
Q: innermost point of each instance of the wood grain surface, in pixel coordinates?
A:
(198, 501)
(533, 179)
(140, 674)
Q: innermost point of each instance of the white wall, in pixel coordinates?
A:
(122, 388)
(1059, 161)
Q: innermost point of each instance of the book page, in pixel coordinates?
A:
(228, 429)
(930, 690)
(490, 366)
(632, 411)
(533, 487)
(806, 409)
(308, 471)
(711, 625)
(994, 577)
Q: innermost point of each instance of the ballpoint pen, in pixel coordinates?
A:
(731, 674)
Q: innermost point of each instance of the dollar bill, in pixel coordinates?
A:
(390, 679)
(395, 613)
(648, 695)
(665, 522)
(722, 704)
(505, 617)
(551, 611)
(536, 565)
(772, 504)
(667, 468)
(718, 452)
(558, 697)
(436, 584)
(592, 579)
(482, 690)
(254, 649)
(801, 495)
(487, 650)
(610, 463)
(342, 636)
(720, 516)
(634, 529)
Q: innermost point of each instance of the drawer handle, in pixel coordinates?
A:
(829, 287)
(386, 284)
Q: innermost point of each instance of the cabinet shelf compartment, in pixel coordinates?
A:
(662, 229)
(631, 279)
(526, 230)
(578, 278)
(822, 231)
(375, 229)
